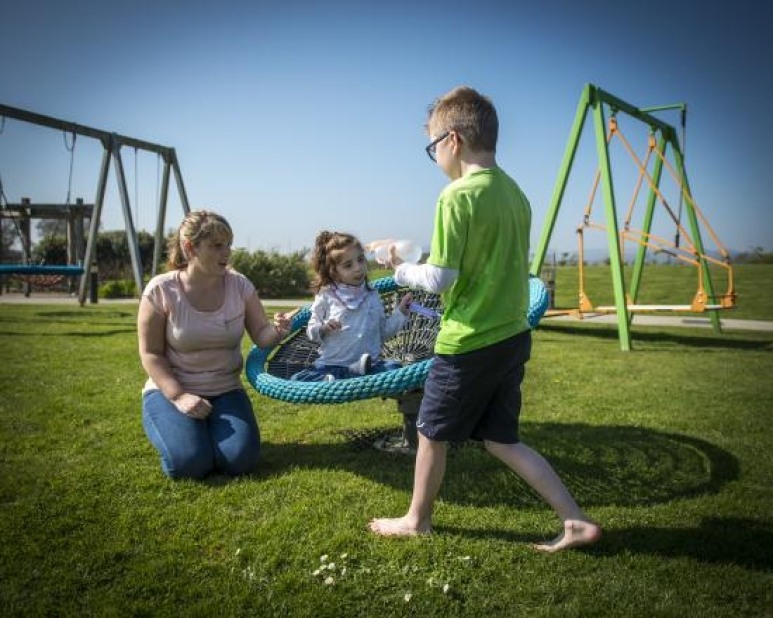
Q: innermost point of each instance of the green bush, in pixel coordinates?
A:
(118, 288)
(274, 275)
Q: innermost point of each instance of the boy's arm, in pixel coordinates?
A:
(429, 277)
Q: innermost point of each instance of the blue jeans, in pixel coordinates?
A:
(227, 441)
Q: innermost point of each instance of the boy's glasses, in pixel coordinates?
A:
(432, 148)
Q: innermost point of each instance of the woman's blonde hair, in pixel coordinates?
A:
(197, 225)
(467, 112)
(323, 258)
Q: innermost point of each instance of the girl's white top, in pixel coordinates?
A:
(364, 326)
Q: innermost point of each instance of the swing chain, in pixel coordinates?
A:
(71, 149)
(681, 188)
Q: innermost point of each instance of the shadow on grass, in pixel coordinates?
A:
(602, 465)
(745, 543)
(88, 322)
(79, 314)
(651, 336)
(95, 333)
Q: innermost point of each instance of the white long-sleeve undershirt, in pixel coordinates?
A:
(435, 279)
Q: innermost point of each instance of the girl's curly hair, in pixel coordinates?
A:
(323, 256)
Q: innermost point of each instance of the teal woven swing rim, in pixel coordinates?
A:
(386, 384)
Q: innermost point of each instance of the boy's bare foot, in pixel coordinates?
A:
(398, 526)
(577, 533)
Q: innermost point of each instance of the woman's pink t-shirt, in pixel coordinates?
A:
(203, 347)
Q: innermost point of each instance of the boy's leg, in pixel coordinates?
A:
(456, 393)
(428, 476)
(235, 433)
(540, 476)
(182, 442)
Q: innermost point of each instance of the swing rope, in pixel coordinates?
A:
(690, 254)
(26, 250)
(684, 164)
(41, 274)
(136, 197)
(71, 149)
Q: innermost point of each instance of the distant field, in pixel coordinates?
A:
(668, 284)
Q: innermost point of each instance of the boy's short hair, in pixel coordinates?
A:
(467, 112)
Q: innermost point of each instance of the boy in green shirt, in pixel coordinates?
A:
(479, 263)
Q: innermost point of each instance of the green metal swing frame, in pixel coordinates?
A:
(595, 101)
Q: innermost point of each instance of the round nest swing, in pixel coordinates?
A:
(269, 369)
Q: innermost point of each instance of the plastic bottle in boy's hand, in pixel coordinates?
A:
(406, 250)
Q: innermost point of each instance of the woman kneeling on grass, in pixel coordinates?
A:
(190, 324)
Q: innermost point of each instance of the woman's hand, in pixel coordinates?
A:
(193, 406)
(282, 324)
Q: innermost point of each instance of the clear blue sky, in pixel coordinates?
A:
(291, 117)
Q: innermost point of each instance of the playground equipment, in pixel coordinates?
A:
(112, 144)
(688, 246)
(269, 369)
(21, 214)
(39, 274)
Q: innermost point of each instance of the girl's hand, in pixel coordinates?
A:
(331, 326)
(192, 405)
(404, 302)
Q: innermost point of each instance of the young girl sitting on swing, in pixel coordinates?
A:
(347, 316)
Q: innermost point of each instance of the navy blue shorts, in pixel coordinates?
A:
(476, 395)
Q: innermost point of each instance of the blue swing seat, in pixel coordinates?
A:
(40, 269)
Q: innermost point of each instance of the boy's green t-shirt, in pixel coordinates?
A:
(482, 225)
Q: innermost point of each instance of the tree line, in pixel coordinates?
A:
(274, 275)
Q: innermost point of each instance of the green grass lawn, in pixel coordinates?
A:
(668, 446)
